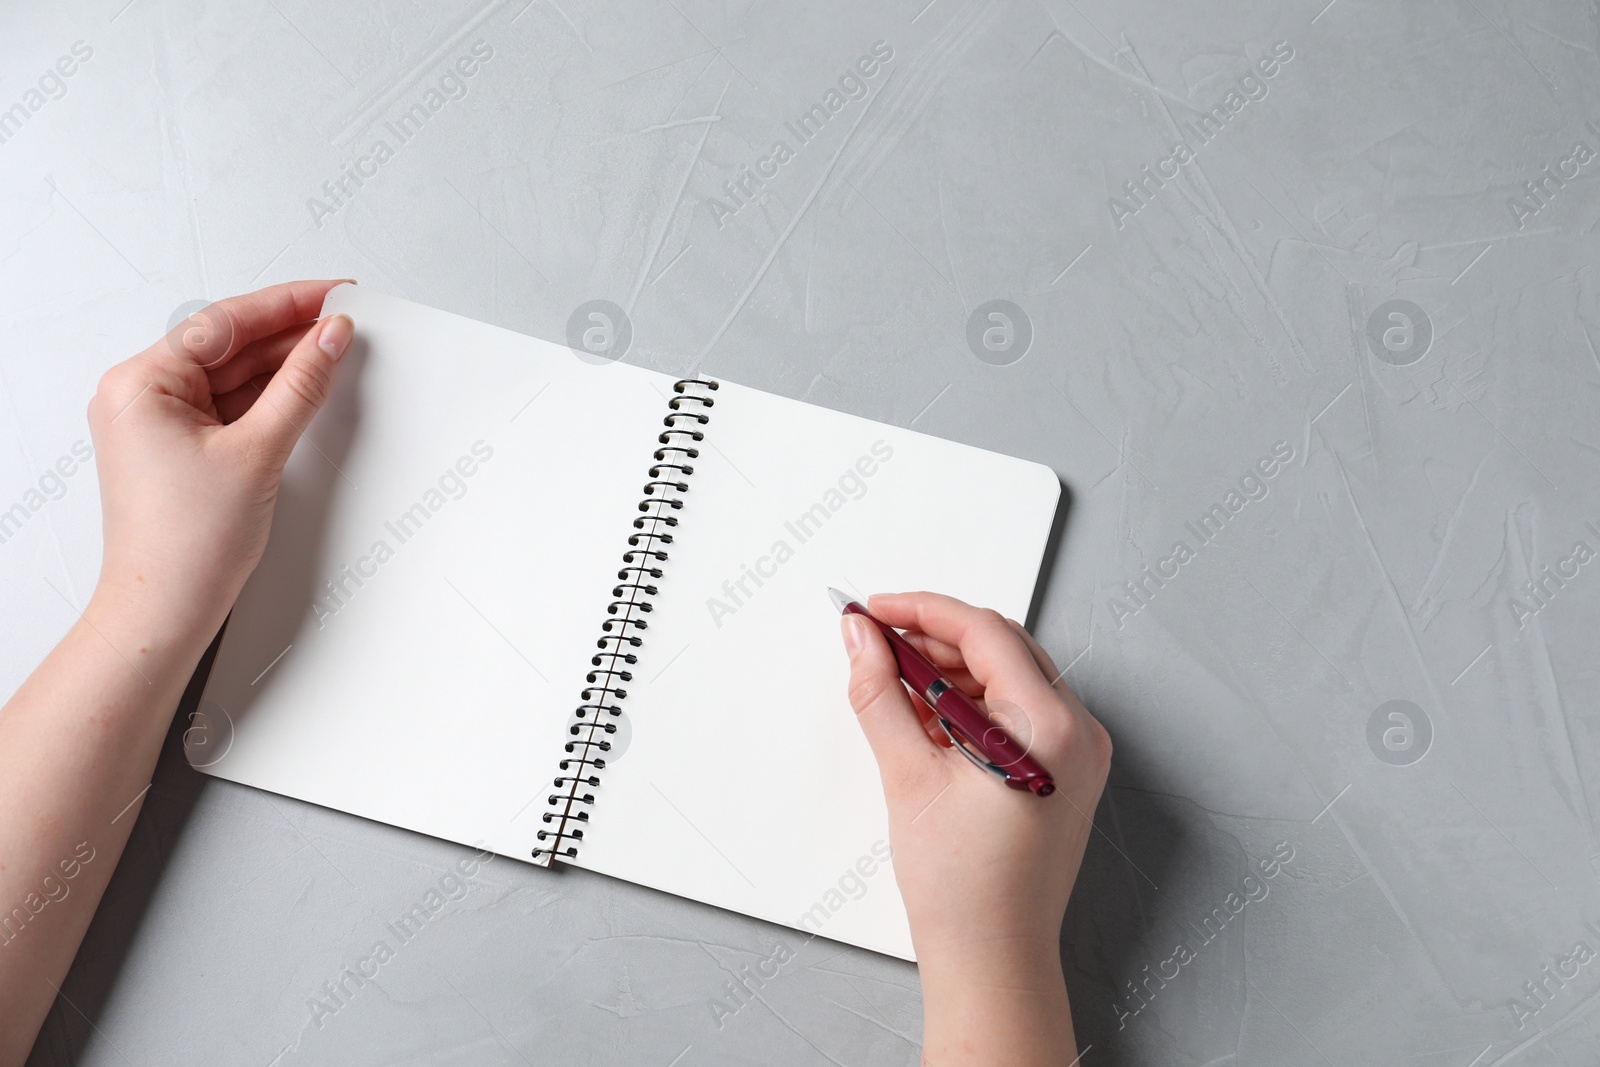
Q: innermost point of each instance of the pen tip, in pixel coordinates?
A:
(840, 600)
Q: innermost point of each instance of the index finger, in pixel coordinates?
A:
(216, 333)
(991, 648)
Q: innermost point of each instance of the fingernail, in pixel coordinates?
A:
(855, 637)
(335, 336)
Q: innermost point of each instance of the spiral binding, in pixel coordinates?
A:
(570, 804)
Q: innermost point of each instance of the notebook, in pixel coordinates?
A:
(571, 610)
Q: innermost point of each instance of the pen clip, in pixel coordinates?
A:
(960, 746)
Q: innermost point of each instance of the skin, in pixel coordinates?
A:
(191, 437)
(985, 871)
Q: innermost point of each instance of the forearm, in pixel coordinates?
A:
(189, 465)
(78, 744)
(998, 1003)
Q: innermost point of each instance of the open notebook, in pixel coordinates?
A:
(522, 600)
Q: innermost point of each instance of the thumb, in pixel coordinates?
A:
(882, 705)
(296, 392)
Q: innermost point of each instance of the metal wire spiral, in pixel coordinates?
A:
(590, 728)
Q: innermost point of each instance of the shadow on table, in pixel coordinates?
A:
(1151, 858)
(1154, 865)
(175, 789)
(1138, 842)
(1052, 548)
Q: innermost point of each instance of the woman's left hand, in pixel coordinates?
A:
(191, 436)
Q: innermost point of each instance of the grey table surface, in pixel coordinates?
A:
(1306, 288)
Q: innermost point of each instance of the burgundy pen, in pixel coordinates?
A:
(956, 712)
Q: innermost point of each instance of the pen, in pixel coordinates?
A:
(955, 712)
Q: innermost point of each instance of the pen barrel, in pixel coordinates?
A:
(915, 668)
(963, 714)
(1004, 751)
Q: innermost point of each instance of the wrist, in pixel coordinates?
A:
(1019, 963)
(1006, 1004)
(1016, 932)
(139, 622)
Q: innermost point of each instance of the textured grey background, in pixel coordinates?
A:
(1225, 315)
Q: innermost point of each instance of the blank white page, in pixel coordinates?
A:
(746, 782)
(431, 691)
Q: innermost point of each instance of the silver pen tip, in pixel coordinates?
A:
(840, 600)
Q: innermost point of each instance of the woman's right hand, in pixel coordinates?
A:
(985, 871)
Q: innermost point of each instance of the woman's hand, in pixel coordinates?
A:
(191, 437)
(985, 871)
